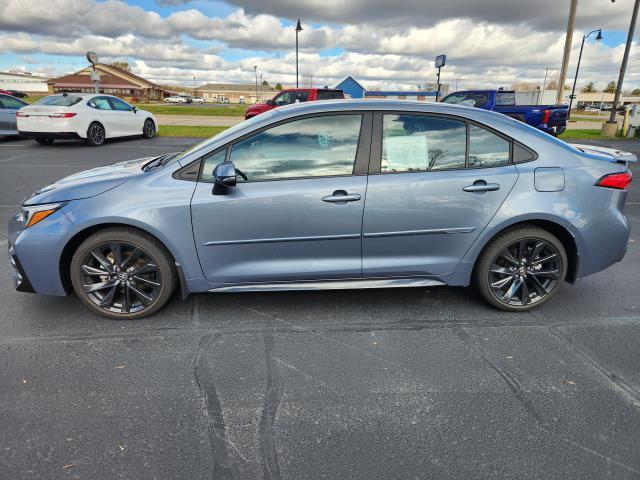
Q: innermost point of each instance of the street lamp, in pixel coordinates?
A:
(573, 91)
(255, 70)
(298, 30)
(194, 86)
(261, 88)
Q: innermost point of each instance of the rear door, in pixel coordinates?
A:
(436, 182)
(297, 216)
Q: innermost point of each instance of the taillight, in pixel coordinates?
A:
(618, 181)
(545, 116)
(62, 115)
(21, 114)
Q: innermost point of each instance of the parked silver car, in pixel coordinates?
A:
(9, 106)
(336, 194)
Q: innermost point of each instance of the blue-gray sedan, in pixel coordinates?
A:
(326, 195)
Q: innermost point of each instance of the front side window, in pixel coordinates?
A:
(418, 143)
(486, 149)
(120, 105)
(309, 147)
(99, 103)
(210, 162)
(287, 98)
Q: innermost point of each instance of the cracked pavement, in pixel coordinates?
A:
(397, 383)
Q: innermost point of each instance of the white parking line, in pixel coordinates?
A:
(2, 242)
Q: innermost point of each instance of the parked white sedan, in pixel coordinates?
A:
(83, 116)
(175, 99)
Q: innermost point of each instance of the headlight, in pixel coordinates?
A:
(36, 213)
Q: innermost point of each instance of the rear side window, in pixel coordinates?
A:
(418, 143)
(99, 103)
(59, 100)
(475, 99)
(505, 98)
(10, 103)
(328, 95)
(486, 149)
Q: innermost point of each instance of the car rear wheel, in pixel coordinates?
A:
(149, 129)
(44, 141)
(95, 134)
(521, 269)
(123, 274)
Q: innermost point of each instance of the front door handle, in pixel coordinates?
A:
(341, 197)
(482, 186)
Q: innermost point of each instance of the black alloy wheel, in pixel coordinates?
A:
(149, 129)
(123, 274)
(521, 269)
(95, 134)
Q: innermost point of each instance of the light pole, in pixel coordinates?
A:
(298, 30)
(194, 86)
(575, 79)
(255, 70)
(611, 126)
(261, 88)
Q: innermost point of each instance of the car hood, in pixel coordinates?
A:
(88, 183)
(610, 154)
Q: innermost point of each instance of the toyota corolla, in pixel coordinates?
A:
(328, 195)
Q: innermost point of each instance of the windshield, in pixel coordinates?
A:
(59, 100)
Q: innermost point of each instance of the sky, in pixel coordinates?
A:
(381, 43)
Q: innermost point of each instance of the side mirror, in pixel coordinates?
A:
(135, 109)
(225, 174)
(271, 102)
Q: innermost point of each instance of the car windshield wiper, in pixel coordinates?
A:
(160, 161)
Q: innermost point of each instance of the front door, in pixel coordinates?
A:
(433, 193)
(296, 211)
(127, 120)
(9, 106)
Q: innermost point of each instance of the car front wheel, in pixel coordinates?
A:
(122, 273)
(95, 134)
(521, 269)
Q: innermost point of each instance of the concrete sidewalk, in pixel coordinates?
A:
(198, 120)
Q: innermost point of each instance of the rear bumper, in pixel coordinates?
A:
(56, 135)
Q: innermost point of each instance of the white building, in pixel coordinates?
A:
(25, 82)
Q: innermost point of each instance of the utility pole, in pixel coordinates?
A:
(567, 50)
(544, 84)
(611, 126)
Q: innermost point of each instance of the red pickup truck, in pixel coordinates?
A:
(293, 95)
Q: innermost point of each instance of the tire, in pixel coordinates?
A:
(519, 287)
(95, 134)
(44, 141)
(103, 273)
(148, 129)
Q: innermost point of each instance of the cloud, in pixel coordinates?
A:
(494, 43)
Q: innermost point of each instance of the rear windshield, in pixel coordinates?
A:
(59, 100)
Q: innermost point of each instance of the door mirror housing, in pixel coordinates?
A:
(135, 109)
(225, 174)
(271, 102)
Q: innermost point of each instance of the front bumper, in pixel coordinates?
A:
(34, 253)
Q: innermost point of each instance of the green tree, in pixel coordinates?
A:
(121, 64)
(278, 86)
(610, 88)
(589, 88)
(636, 92)
(265, 83)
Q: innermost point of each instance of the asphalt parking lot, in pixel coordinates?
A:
(399, 383)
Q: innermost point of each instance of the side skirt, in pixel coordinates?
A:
(346, 284)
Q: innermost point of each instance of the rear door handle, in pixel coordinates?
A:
(341, 197)
(482, 186)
